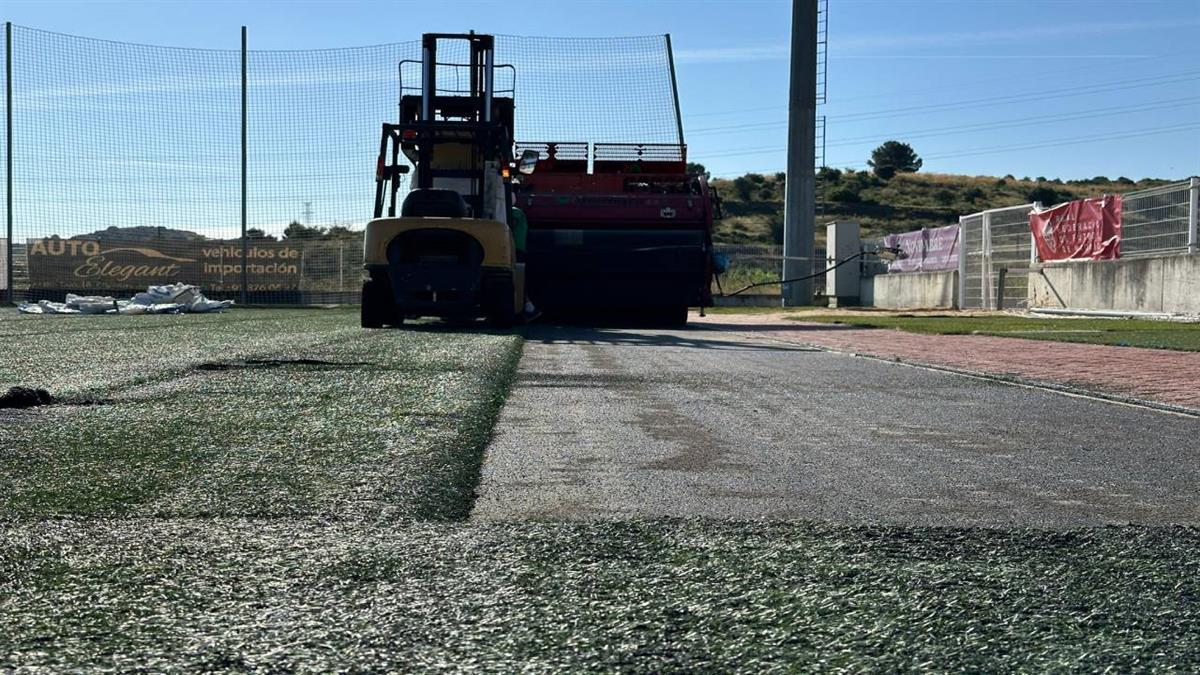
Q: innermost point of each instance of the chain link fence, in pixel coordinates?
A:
(754, 264)
(994, 259)
(127, 158)
(1156, 221)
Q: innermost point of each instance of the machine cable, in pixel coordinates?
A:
(887, 251)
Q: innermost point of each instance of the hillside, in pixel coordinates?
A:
(754, 202)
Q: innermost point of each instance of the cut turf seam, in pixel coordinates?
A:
(452, 496)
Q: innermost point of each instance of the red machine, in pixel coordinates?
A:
(624, 227)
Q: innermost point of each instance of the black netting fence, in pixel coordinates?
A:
(127, 159)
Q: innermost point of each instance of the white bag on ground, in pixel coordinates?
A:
(170, 299)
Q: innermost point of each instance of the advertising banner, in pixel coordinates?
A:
(927, 250)
(80, 265)
(1085, 229)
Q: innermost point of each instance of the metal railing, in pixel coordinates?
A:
(1159, 220)
(996, 249)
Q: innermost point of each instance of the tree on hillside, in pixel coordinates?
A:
(743, 187)
(341, 232)
(297, 230)
(696, 168)
(829, 174)
(894, 157)
(1048, 196)
(256, 234)
(775, 223)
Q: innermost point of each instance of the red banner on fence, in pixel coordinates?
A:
(1085, 229)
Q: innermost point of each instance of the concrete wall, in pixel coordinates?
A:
(912, 290)
(1164, 284)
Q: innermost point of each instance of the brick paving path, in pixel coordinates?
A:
(1164, 376)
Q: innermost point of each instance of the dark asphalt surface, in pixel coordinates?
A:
(631, 423)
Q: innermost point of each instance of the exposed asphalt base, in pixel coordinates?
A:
(610, 423)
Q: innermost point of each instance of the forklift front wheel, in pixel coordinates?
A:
(377, 308)
(499, 303)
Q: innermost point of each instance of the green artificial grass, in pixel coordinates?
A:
(1121, 332)
(73, 354)
(682, 596)
(338, 422)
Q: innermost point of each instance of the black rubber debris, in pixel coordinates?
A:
(26, 397)
(276, 363)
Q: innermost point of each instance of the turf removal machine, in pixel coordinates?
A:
(620, 228)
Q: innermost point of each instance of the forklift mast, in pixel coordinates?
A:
(453, 138)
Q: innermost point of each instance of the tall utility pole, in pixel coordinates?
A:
(799, 214)
(308, 213)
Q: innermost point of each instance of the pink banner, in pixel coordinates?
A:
(926, 250)
(1085, 229)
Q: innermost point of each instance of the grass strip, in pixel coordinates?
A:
(643, 596)
(1118, 332)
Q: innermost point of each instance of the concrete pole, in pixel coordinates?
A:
(799, 219)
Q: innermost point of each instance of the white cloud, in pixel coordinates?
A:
(875, 43)
(732, 54)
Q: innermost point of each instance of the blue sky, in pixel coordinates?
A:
(1056, 88)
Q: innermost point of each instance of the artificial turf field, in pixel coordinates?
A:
(271, 490)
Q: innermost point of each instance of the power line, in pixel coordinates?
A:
(959, 86)
(1071, 141)
(1032, 146)
(952, 130)
(1070, 92)
(1120, 85)
(1026, 121)
(1115, 109)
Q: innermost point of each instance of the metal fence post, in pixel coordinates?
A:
(1193, 215)
(1033, 252)
(8, 163)
(245, 247)
(986, 262)
(962, 263)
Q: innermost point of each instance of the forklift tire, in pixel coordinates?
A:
(377, 308)
(676, 317)
(498, 303)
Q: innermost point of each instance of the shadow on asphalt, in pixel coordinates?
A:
(693, 337)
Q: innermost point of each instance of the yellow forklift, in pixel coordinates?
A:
(450, 252)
